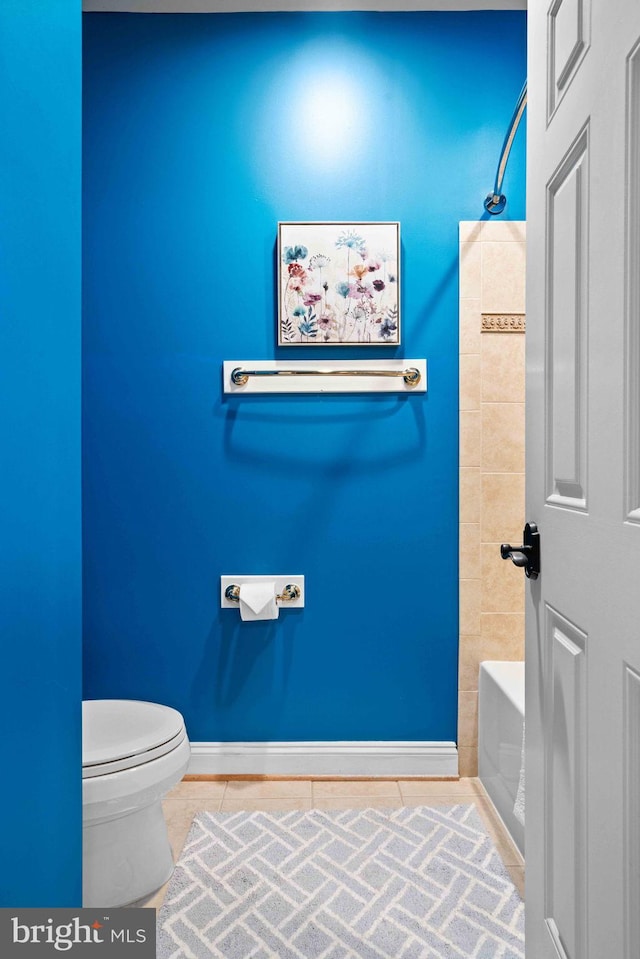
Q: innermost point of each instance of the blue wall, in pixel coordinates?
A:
(201, 132)
(40, 564)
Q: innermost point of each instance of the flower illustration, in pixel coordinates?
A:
(350, 239)
(310, 298)
(308, 328)
(293, 253)
(363, 290)
(319, 261)
(326, 322)
(359, 270)
(298, 281)
(338, 283)
(387, 328)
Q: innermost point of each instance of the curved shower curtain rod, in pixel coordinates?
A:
(496, 201)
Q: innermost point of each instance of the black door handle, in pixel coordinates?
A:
(527, 555)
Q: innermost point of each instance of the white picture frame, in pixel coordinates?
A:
(339, 283)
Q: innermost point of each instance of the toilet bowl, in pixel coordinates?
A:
(133, 753)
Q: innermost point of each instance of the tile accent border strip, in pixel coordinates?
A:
(503, 322)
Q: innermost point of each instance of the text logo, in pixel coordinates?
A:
(97, 933)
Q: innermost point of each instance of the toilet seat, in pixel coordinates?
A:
(120, 734)
(133, 754)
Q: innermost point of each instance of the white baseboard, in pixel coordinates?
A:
(401, 759)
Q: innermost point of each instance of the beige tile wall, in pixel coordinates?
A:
(492, 365)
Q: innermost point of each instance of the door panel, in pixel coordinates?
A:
(568, 32)
(583, 480)
(565, 784)
(632, 312)
(568, 217)
(632, 810)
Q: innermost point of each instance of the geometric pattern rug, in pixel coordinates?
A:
(411, 883)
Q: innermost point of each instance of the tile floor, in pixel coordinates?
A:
(188, 798)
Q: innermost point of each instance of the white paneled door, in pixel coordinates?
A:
(583, 480)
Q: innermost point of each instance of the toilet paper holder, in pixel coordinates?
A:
(289, 588)
(290, 592)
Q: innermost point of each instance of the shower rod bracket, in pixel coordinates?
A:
(495, 204)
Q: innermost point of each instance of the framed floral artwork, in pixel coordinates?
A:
(338, 284)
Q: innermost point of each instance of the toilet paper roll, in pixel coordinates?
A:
(258, 601)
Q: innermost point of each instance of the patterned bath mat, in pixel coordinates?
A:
(410, 883)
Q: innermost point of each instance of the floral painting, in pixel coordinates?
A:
(338, 284)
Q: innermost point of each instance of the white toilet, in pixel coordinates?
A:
(133, 753)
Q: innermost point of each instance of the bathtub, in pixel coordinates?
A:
(500, 726)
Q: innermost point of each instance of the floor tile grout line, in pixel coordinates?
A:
(493, 825)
